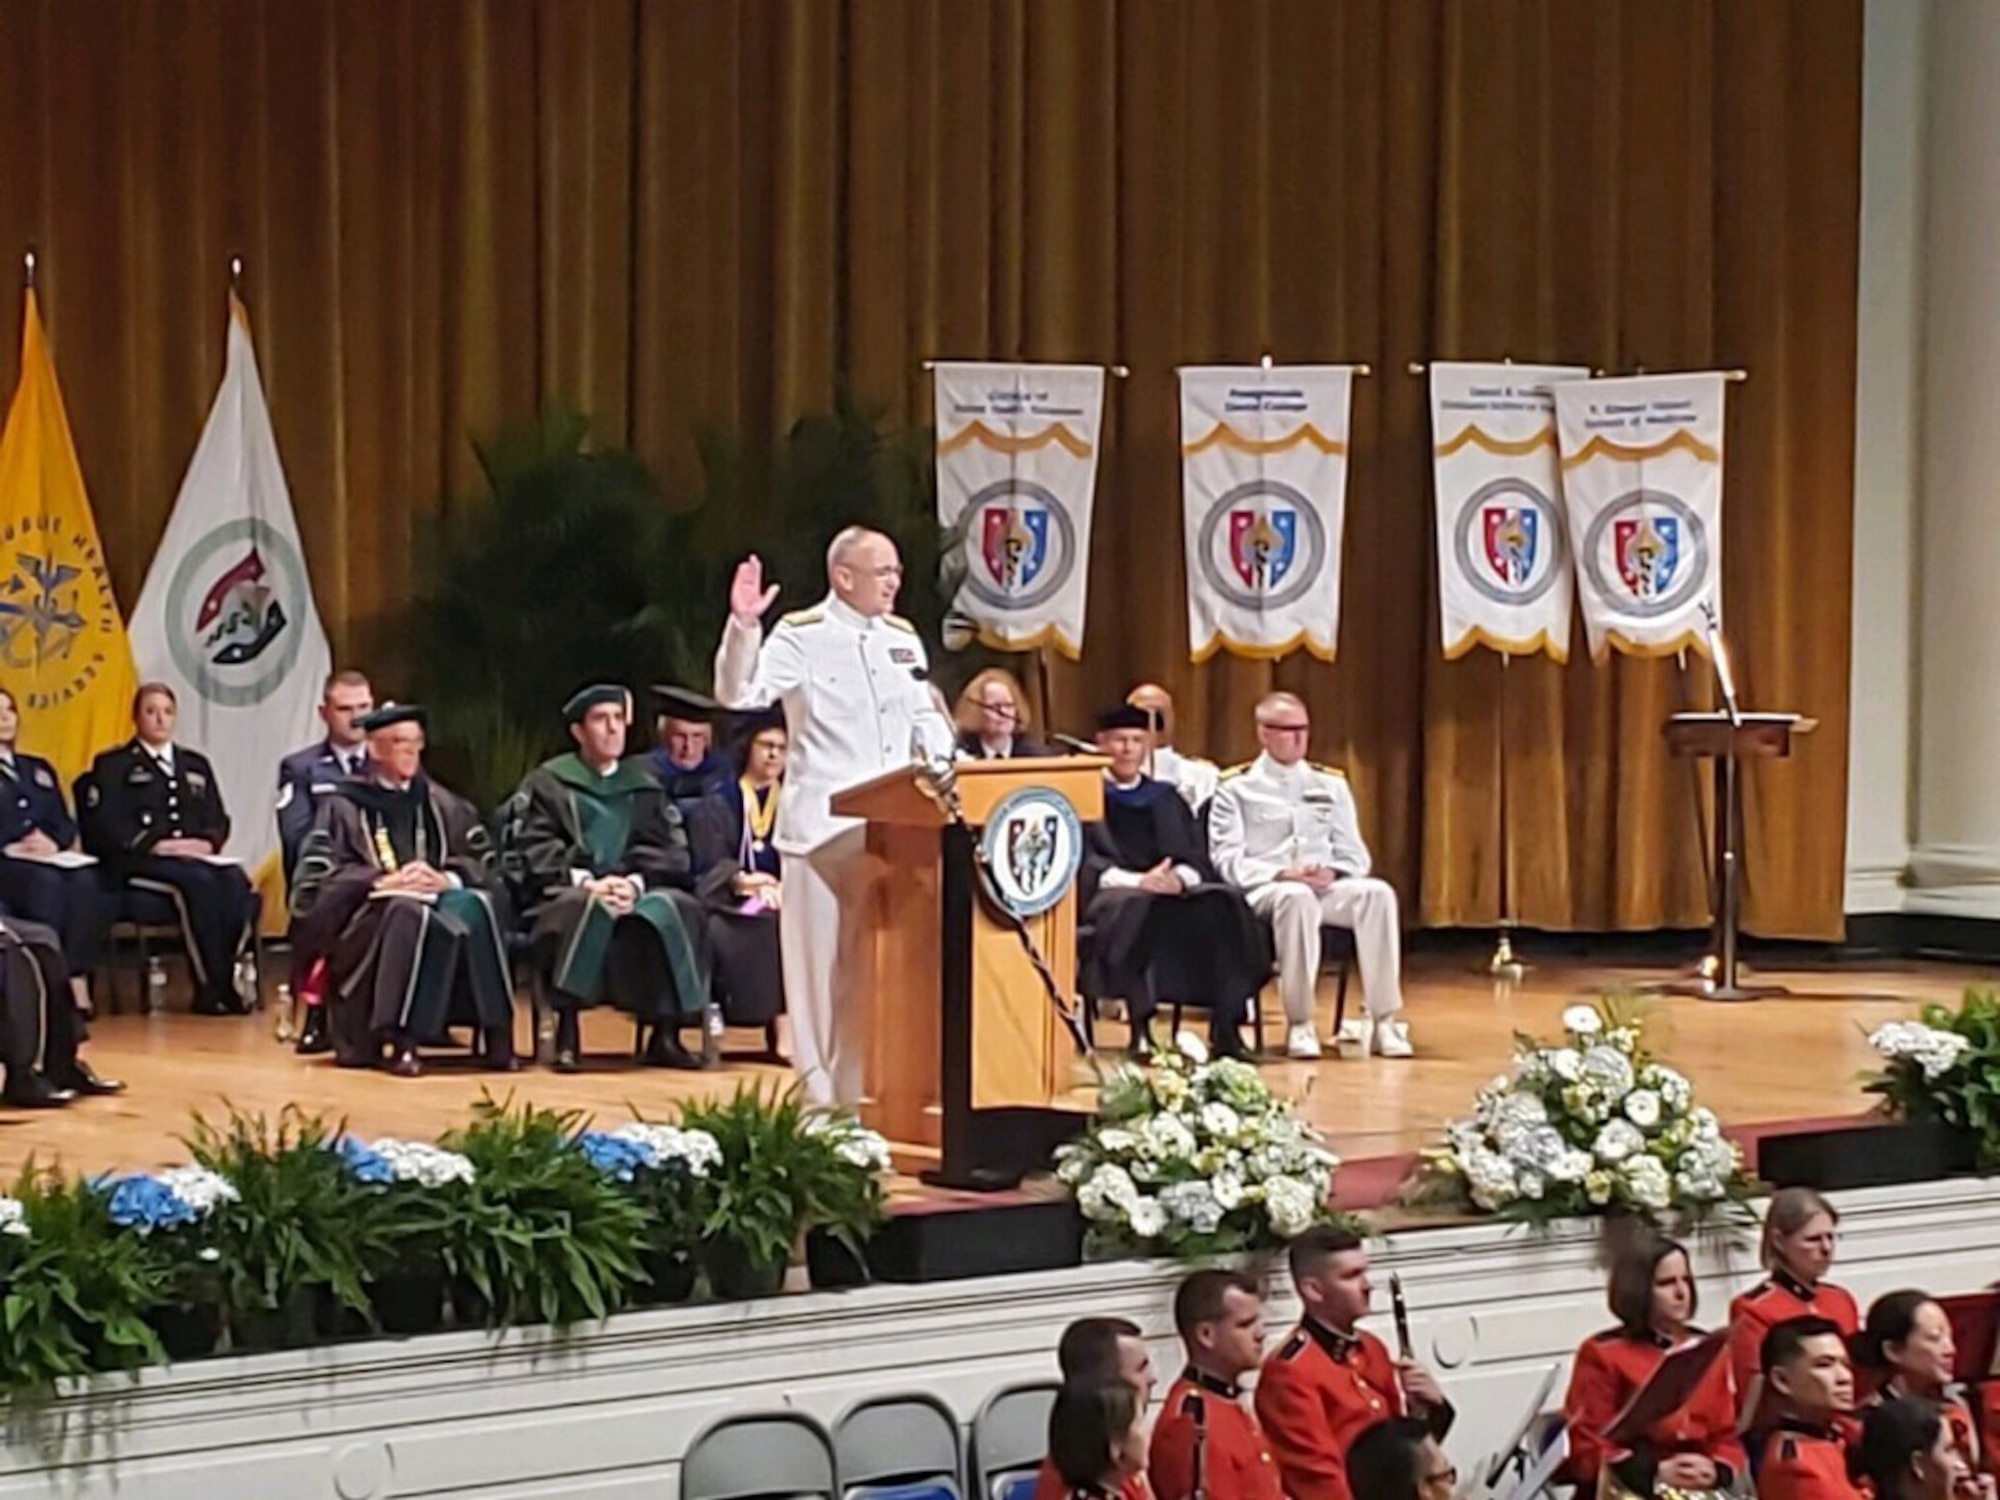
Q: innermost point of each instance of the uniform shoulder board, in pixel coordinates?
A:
(1295, 1345)
(803, 617)
(900, 623)
(1237, 770)
(1329, 770)
(1193, 1407)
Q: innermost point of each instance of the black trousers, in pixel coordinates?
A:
(71, 901)
(38, 1020)
(214, 904)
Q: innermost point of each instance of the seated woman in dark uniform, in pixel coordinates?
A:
(35, 828)
(737, 875)
(154, 815)
(992, 718)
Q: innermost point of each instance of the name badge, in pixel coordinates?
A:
(902, 656)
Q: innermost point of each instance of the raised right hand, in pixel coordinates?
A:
(748, 597)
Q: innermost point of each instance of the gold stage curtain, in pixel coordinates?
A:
(709, 211)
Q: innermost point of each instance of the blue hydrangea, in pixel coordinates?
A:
(620, 1160)
(365, 1163)
(146, 1204)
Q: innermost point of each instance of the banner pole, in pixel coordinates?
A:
(1504, 966)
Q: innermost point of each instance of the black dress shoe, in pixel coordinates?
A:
(27, 1089)
(404, 1062)
(666, 1051)
(496, 1050)
(314, 1038)
(1141, 1050)
(567, 1060)
(220, 1002)
(81, 1078)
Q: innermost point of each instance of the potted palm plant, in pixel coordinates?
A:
(294, 1242)
(546, 1238)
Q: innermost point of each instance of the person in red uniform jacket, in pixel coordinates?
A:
(1905, 1348)
(1102, 1351)
(1797, 1251)
(1696, 1448)
(1220, 1315)
(1330, 1381)
(1811, 1384)
(1097, 1439)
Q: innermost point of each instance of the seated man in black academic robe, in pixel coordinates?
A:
(739, 874)
(1162, 928)
(608, 878)
(686, 761)
(40, 1030)
(396, 885)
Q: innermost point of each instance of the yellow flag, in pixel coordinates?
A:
(63, 651)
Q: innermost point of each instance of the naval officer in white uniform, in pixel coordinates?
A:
(1284, 830)
(853, 680)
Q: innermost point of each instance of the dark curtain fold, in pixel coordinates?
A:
(707, 212)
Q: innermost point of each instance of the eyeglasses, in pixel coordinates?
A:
(1289, 728)
(1443, 1479)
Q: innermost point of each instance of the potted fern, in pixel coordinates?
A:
(546, 1238)
(294, 1242)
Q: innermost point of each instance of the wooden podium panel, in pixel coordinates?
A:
(959, 1021)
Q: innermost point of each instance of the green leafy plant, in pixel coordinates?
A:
(547, 1237)
(76, 1293)
(1945, 1066)
(299, 1225)
(784, 1170)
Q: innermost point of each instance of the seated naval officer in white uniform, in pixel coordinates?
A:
(853, 680)
(1285, 831)
(1190, 775)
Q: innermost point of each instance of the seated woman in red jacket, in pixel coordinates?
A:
(1905, 1348)
(1797, 1251)
(1652, 1295)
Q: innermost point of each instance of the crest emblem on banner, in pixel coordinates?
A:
(1261, 545)
(1513, 535)
(1014, 542)
(1021, 545)
(1649, 551)
(1033, 848)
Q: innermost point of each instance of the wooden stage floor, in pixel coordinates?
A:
(1773, 1060)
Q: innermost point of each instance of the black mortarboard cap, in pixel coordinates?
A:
(1124, 716)
(391, 714)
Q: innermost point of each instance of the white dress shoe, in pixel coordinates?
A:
(1301, 1043)
(1392, 1039)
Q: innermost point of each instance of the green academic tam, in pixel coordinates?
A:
(585, 699)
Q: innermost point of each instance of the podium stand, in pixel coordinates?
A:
(966, 1055)
(1729, 740)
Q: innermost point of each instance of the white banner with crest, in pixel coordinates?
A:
(1264, 500)
(1016, 478)
(1504, 572)
(1642, 481)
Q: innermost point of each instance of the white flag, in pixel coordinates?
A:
(1264, 502)
(227, 615)
(1016, 478)
(1503, 542)
(1642, 481)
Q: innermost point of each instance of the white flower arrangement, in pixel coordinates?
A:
(853, 1142)
(695, 1151)
(1934, 1051)
(13, 1218)
(426, 1165)
(1196, 1157)
(1589, 1125)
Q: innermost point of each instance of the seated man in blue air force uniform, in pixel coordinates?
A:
(397, 886)
(305, 779)
(609, 880)
(1285, 832)
(35, 826)
(154, 815)
(853, 681)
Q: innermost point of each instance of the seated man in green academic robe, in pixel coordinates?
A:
(607, 874)
(396, 884)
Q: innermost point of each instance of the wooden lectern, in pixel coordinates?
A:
(966, 1055)
(1730, 739)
